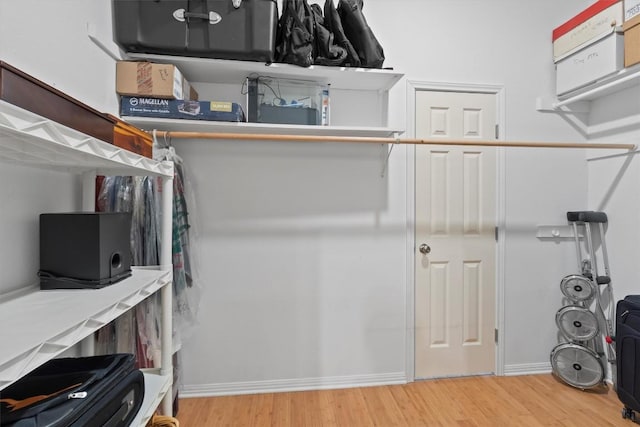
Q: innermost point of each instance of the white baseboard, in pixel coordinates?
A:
(527, 369)
(296, 384)
(325, 383)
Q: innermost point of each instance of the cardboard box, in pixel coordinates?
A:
(135, 78)
(631, 9)
(586, 27)
(631, 30)
(181, 109)
(588, 65)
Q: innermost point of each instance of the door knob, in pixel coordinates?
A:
(424, 249)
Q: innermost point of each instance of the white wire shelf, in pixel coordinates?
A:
(29, 139)
(30, 338)
(155, 387)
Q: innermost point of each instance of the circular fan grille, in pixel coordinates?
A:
(577, 288)
(577, 365)
(577, 323)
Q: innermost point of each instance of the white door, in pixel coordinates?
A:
(455, 225)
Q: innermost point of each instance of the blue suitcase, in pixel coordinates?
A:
(628, 354)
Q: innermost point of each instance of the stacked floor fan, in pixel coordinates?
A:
(584, 323)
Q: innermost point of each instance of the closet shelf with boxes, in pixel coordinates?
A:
(248, 77)
(212, 76)
(596, 53)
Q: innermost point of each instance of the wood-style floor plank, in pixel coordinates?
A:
(527, 401)
(350, 408)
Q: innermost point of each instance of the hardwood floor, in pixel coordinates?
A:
(532, 400)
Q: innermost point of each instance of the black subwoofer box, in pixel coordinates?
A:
(84, 249)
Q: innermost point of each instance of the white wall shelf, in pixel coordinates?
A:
(359, 96)
(623, 79)
(234, 72)
(181, 125)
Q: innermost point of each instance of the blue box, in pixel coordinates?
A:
(181, 109)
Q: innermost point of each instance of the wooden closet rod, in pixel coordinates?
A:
(379, 140)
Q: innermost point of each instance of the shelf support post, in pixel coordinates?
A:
(167, 291)
(88, 345)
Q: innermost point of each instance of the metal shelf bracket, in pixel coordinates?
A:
(385, 163)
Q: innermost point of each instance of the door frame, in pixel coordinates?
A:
(498, 90)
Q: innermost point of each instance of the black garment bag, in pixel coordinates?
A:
(334, 25)
(360, 34)
(326, 51)
(294, 39)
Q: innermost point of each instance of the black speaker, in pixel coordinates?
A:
(84, 249)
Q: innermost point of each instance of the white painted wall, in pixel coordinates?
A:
(613, 185)
(54, 48)
(27, 192)
(304, 246)
(303, 285)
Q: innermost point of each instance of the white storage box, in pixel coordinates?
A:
(631, 9)
(588, 65)
(586, 27)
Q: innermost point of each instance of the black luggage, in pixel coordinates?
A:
(224, 29)
(628, 354)
(80, 392)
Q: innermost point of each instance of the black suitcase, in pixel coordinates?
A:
(628, 354)
(80, 392)
(224, 29)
